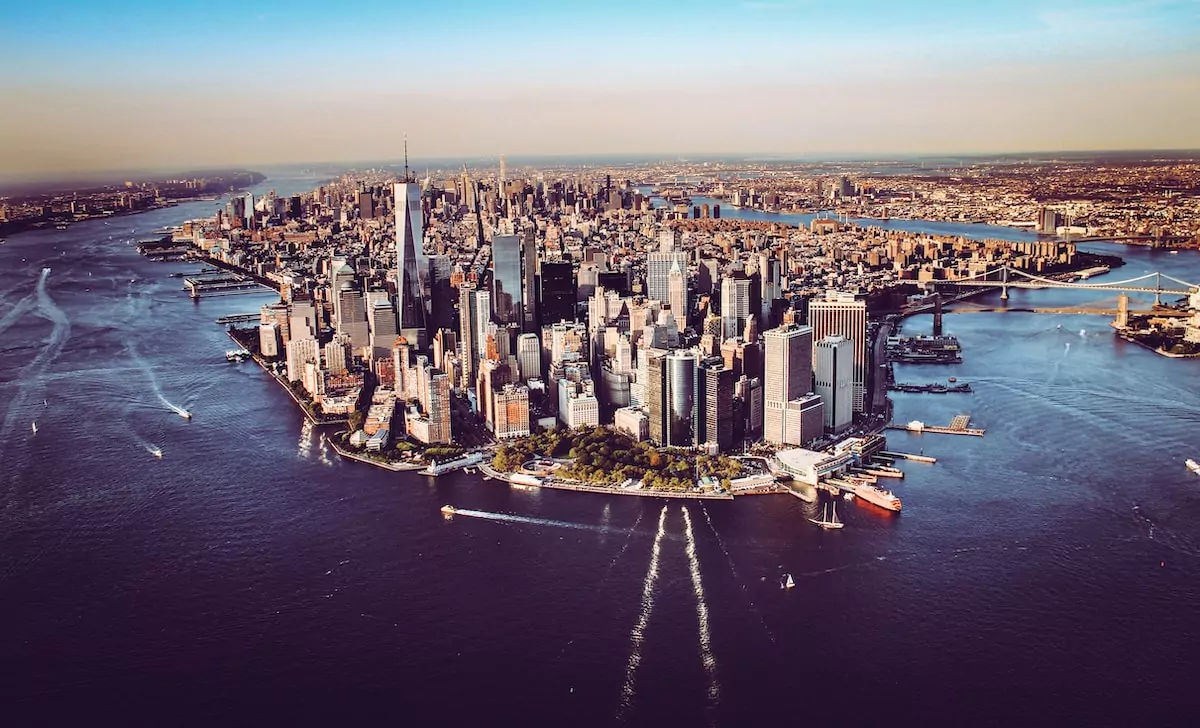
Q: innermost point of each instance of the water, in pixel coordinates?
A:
(929, 227)
(252, 577)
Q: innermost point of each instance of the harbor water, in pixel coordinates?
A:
(1046, 573)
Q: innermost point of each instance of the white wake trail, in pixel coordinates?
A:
(509, 518)
(706, 653)
(638, 636)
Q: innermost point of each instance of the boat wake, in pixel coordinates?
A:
(638, 635)
(737, 577)
(146, 369)
(527, 520)
(32, 386)
(706, 653)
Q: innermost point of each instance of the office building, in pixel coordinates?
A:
(714, 404)
(787, 380)
(529, 356)
(507, 306)
(511, 408)
(558, 292)
(839, 314)
(834, 374)
(410, 263)
(658, 273)
(736, 305)
(671, 397)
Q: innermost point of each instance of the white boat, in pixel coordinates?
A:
(827, 521)
(787, 582)
(847, 496)
(1192, 465)
(34, 426)
(185, 415)
(157, 452)
(449, 510)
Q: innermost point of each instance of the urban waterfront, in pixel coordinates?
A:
(1045, 573)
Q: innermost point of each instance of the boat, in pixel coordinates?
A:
(787, 582)
(61, 226)
(46, 271)
(878, 496)
(34, 426)
(157, 452)
(448, 510)
(952, 380)
(847, 496)
(185, 414)
(828, 522)
(1192, 465)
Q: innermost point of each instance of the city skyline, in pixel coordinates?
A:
(219, 83)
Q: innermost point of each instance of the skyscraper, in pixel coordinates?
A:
(441, 301)
(382, 321)
(410, 263)
(841, 315)
(714, 404)
(735, 305)
(529, 258)
(506, 279)
(788, 378)
(677, 294)
(671, 391)
(558, 292)
(529, 356)
(658, 274)
(835, 381)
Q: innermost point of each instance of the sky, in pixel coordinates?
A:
(88, 86)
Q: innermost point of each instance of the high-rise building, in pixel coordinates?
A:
(511, 407)
(677, 294)
(410, 263)
(839, 314)
(352, 317)
(506, 280)
(441, 295)
(835, 381)
(735, 305)
(382, 322)
(577, 404)
(432, 424)
(529, 294)
(299, 353)
(466, 335)
(335, 354)
(558, 292)
(658, 274)
(529, 356)
(366, 206)
(714, 404)
(788, 378)
(671, 395)
(268, 339)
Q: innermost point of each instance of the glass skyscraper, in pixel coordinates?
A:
(410, 264)
(508, 307)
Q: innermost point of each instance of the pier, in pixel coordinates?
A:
(907, 456)
(957, 426)
(211, 284)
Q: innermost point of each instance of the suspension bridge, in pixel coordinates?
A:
(1009, 277)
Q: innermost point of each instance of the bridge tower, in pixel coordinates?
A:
(937, 314)
(1004, 280)
(1157, 289)
(1122, 321)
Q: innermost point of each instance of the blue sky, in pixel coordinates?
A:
(93, 84)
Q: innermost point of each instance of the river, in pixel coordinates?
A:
(1048, 572)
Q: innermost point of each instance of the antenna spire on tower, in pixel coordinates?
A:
(406, 177)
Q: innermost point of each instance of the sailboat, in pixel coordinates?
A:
(34, 426)
(826, 521)
(787, 582)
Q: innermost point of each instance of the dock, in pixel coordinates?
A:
(908, 456)
(957, 426)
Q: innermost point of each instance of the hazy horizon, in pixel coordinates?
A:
(139, 86)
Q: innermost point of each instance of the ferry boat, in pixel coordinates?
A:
(878, 496)
(1192, 465)
(449, 510)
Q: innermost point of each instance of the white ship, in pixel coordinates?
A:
(1192, 465)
